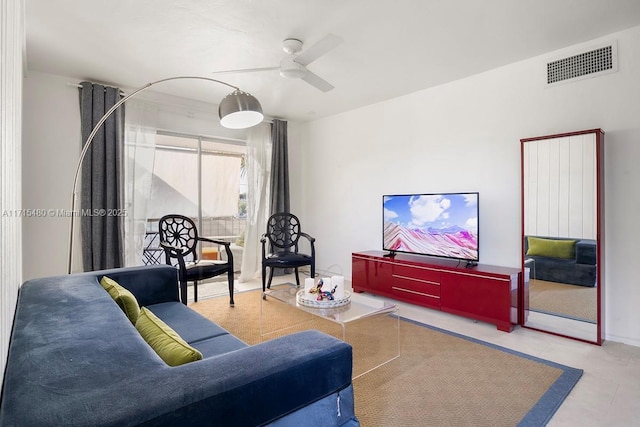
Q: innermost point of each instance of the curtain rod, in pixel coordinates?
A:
(80, 86)
(122, 93)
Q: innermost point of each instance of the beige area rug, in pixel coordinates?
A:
(440, 378)
(571, 301)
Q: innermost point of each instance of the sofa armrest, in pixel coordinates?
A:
(259, 384)
(586, 252)
(150, 284)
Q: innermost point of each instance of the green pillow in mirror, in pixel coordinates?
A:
(552, 248)
(165, 341)
(123, 297)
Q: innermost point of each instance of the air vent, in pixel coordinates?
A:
(602, 60)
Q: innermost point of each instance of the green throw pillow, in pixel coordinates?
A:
(552, 248)
(164, 340)
(123, 297)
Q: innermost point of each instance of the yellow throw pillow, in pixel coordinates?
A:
(552, 248)
(123, 297)
(164, 340)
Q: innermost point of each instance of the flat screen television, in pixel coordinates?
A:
(439, 225)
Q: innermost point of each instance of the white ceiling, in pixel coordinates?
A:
(390, 48)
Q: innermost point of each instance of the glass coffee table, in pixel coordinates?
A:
(370, 325)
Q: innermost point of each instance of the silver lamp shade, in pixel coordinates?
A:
(240, 110)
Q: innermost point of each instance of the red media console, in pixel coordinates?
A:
(483, 292)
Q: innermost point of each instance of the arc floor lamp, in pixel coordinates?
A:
(237, 110)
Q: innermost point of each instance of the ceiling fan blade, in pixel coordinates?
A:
(329, 42)
(317, 82)
(246, 70)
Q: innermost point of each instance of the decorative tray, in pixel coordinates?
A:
(311, 301)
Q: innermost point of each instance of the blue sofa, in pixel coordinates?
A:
(75, 359)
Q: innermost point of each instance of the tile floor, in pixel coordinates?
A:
(608, 394)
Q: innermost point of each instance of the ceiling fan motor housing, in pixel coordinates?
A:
(292, 46)
(291, 69)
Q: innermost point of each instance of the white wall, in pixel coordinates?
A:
(464, 136)
(51, 145)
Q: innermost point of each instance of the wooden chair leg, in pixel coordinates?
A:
(270, 277)
(297, 278)
(195, 291)
(264, 280)
(183, 291)
(230, 275)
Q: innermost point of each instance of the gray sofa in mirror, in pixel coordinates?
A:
(579, 270)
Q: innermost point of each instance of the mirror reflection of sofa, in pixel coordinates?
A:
(562, 260)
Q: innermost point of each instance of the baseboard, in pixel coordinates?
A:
(623, 340)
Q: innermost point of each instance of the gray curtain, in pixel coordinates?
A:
(279, 174)
(279, 168)
(101, 188)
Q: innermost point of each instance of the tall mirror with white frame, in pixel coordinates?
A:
(563, 234)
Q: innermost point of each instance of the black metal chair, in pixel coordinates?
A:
(179, 239)
(280, 247)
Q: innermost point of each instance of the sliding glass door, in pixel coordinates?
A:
(201, 178)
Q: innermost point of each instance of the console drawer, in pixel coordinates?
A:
(419, 273)
(416, 287)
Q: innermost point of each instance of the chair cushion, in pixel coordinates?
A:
(123, 297)
(287, 259)
(204, 269)
(164, 340)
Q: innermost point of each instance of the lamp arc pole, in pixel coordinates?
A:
(108, 114)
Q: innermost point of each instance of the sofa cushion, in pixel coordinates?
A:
(209, 338)
(123, 297)
(218, 345)
(190, 325)
(164, 340)
(586, 252)
(552, 248)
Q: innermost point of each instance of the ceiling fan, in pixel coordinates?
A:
(294, 65)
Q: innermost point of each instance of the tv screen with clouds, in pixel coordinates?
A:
(441, 225)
